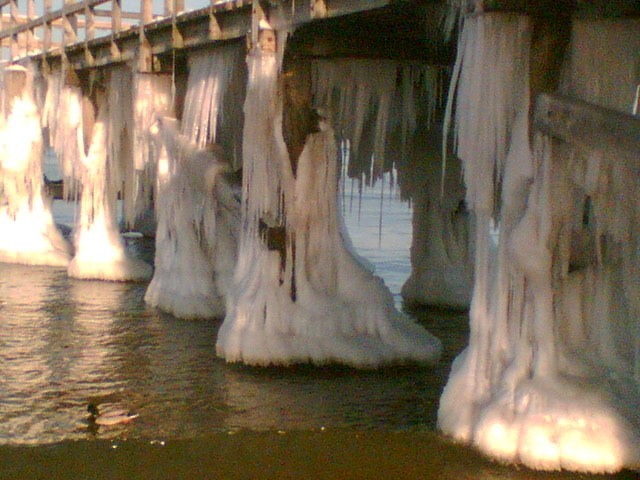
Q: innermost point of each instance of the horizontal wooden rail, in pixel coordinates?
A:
(588, 126)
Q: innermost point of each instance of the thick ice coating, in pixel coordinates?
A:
(197, 211)
(29, 235)
(298, 294)
(198, 220)
(96, 173)
(550, 376)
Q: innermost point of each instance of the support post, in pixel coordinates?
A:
(46, 40)
(30, 37)
(116, 26)
(70, 25)
(14, 14)
(144, 50)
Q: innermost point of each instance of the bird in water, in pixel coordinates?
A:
(109, 417)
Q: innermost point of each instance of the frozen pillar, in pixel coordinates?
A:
(442, 243)
(548, 376)
(299, 295)
(28, 233)
(100, 252)
(196, 237)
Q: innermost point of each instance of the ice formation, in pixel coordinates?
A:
(377, 114)
(299, 295)
(198, 213)
(548, 376)
(29, 234)
(196, 239)
(442, 243)
(100, 173)
(388, 119)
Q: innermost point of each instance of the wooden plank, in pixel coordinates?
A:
(588, 126)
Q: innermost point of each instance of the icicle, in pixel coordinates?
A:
(366, 108)
(152, 95)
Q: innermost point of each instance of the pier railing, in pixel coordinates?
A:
(93, 33)
(36, 27)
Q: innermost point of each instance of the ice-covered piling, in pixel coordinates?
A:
(198, 220)
(548, 376)
(298, 294)
(197, 210)
(29, 234)
(100, 252)
(442, 242)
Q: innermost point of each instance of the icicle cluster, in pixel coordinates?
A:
(376, 106)
(210, 75)
(547, 378)
(153, 98)
(29, 235)
(299, 295)
(62, 116)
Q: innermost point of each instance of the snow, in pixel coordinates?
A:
(298, 294)
(549, 378)
(29, 235)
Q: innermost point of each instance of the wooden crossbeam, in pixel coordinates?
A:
(588, 126)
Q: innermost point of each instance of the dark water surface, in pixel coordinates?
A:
(65, 343)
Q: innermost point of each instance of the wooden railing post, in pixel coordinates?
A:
(116, 26)
(14, 14)
(70, 24)
(144, 50)
(30, 37)
(90, 21)
(116, 16)
(46, 40)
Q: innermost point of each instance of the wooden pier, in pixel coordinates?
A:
(95, 33)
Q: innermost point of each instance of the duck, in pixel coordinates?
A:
(109, 417)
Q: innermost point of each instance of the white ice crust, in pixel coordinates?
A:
(29, 235)
(303, 298)
(550, 376)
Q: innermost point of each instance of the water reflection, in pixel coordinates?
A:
(64, 343)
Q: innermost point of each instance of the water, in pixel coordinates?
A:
(65, 343)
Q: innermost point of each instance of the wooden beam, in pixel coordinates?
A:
(588, 126)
